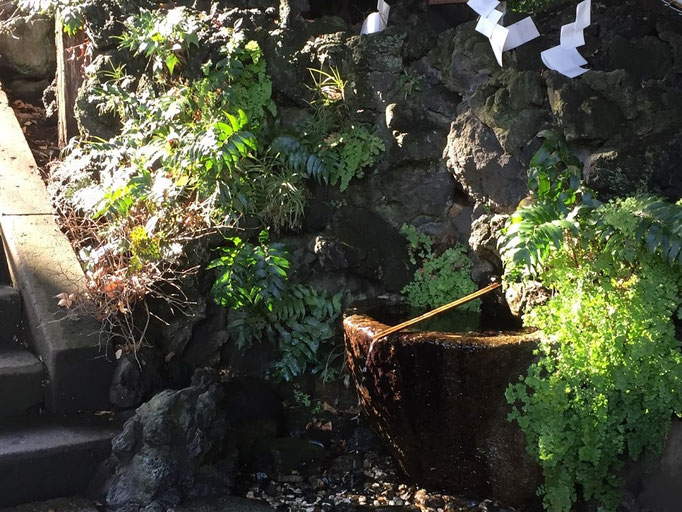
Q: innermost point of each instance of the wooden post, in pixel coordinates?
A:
(72, 58)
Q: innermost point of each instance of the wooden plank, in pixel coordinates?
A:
(72, 57)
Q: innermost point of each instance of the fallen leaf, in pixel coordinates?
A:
(65, 299)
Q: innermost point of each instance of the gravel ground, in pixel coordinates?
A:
(355, 480)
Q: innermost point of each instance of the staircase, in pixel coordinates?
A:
(42, 455)
(54, 376)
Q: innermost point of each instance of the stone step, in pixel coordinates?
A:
(42, 265)
(21, 382)
(49, 457)
(10, 315)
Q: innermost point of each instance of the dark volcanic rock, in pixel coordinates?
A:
(478, 162)
(27, 48)
(136, 376)
(380, 250)
(438, 402)
(171, 450)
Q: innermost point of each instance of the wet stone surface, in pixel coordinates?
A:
(438, 402)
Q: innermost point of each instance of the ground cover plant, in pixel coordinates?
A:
(200, 152)
(609, 375)
(441, 277)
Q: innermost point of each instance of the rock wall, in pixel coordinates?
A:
(27, 53)
(460, 131)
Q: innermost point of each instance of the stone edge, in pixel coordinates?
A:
(42, 264)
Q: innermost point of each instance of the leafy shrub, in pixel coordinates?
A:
(609, 376)
(344, 146)
(199, 151)
(162, 37)
(70, 11)
(252, 281)
(531, 6)
(441, 278)
(419, 245)
(186, 161)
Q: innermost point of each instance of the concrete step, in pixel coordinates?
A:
(10, 315)
(42, 264)
(21, 382)
(48, 457)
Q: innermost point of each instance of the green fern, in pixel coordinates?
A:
(297, 319)
(302, 159)
(532, 233)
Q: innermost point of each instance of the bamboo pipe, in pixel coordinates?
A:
(436, 311)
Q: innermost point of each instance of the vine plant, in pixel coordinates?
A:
(609, 375)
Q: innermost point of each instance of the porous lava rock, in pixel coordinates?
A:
(27, 48)
(171, 450)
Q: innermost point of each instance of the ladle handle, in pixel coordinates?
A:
(437, 311)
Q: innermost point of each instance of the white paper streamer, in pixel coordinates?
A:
(483, 7)
(377, 21)
(486, 24)
(502, 39)
(565, 58)
(520, 33)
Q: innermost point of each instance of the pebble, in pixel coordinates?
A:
(365, 480)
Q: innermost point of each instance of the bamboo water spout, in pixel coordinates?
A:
(437, 311)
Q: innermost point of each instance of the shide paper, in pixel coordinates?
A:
(565, 58)
(377, 21)
(501, 38)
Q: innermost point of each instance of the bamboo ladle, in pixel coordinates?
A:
(436, 311)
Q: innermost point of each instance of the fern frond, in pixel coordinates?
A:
(301, 159)
(533, 231)
(659, 228)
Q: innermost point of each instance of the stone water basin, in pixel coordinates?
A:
(437, 400)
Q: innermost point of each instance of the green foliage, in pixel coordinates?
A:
(187, 151)
(558, 202)
(420, 245)
(441, 278)
(531, 6)
(277, 192)
(162, 37)
(70, 11)
(356, 148)
(344, 146)
(409, 84)
(299, 155)
(198, 151)
(252, 281)
(654, 222)
(303, 399)
(250, 86)
(329, 87)
(609, 376)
